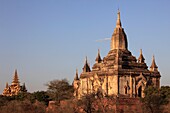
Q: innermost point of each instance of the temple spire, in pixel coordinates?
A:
(119, 39)
(23, 88)
(7, 85)
(86, 60)
(153, 67)
(98, 58)
(15, 79)
(86, 67)
(76, 76)
(141, 59)
(118, 23)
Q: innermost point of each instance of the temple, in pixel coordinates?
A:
(15, 88)
(119, 73)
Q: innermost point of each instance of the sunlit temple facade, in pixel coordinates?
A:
(119, 73)
(15, 88)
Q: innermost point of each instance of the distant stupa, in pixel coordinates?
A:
(14, 88)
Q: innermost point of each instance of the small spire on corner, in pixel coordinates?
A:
(7, 85)
(76, 76)
(86, 67)
(153, 67)
(141, 58)
(98, 58)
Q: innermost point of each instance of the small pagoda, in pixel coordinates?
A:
(15, 88)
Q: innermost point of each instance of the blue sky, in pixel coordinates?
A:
(47, 40)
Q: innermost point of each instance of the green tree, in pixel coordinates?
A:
(22, 96)
(165, 94)
(41, 96)
(152, 101)
(60, 90)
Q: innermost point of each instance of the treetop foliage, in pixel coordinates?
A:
(60, 89)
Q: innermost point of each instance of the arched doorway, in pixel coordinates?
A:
(140, 91)
(125, 90)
